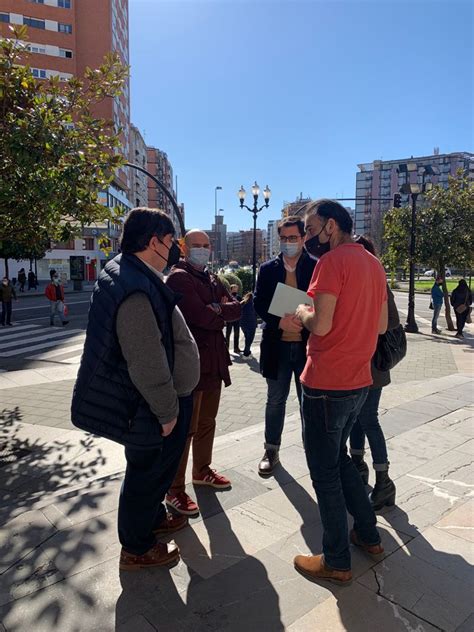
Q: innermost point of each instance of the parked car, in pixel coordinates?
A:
(432, 273)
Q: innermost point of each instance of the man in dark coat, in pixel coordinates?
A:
(283, 347)
(138, 370)
(206, 306)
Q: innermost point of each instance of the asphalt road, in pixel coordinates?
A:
(36, 309)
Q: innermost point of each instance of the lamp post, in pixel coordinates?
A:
(414, 190)
(255, 210)
(165, 190)
(216, 189)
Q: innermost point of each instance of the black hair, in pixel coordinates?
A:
(141, 225)
(292, 220)
(329, 209)
(367, 243)
(462, 283)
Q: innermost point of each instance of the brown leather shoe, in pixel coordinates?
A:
(376, 551)
(170, 524)
(159, 555)
(269, 461)
(314, 568)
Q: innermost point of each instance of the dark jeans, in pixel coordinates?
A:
(6, 312)
(367, 424)
(436, 311)
(249, 335)
(228, 330)
(291, 361)
(148, 476)
(328, 417)
(461, 320)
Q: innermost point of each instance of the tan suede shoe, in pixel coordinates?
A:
(159, 555)
(313, 567)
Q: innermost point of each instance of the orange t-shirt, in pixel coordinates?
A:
(340, 360)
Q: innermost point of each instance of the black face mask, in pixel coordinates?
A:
(315, 248)
(174, 254)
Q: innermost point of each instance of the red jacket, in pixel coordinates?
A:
(50, 292)
(198, 290)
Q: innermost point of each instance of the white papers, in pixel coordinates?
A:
(286, 299)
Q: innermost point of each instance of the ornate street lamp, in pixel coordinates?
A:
(414, 190)
(255, 210)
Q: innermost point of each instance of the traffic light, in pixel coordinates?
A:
(397, 200)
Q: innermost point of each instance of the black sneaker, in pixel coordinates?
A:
(65, 322)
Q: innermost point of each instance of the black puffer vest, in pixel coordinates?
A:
(105, 401)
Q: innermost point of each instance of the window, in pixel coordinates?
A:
(4, 17)
(64, 28)
(34, 23)
(65, 53)
(38, 73)
(88, 243)
(64, 4)
(36, 1)
(36, 49)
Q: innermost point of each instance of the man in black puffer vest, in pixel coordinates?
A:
(138, 370)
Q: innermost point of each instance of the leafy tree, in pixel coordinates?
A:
(444, 230)
(233, 279)
(245, 277)
(55, 154)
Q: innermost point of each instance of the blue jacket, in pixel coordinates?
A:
(437, 295)
(105, 400)
(271, 273)
(248, 319)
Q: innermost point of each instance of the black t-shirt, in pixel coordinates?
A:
(58, 293)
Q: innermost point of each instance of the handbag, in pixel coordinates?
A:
(460, 309)
(431, 305)
(65, 309)
(391, 349)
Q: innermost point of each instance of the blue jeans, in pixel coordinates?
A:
(148, 477)
(367, 424)
(249, 335)
(436, 311)
(328, 417)
(291, 361)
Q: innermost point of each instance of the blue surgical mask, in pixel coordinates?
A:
(198, 256)
(290, 250)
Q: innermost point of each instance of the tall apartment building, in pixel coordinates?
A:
(138, 181)
(240, 246)
(380, 179)
(273, 241)
(295, 208)
(160, 166)
(65, 37)
(218, 239)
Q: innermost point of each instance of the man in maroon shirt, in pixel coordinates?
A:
(206, 306)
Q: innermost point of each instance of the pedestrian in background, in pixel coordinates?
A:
(7, 294)
(283, 346)
(461, 300)
(235, 325)
(55, 294)
(248, 322)
(206, 306)
(32, 283)
(22, 279)
(437, 298)
(138, 370)
(367, 423)
(349, 311)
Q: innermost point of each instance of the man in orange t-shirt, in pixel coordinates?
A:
(349, 311)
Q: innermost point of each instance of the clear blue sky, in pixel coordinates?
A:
(296, 94)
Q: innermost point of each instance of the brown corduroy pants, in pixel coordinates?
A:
(201, 435)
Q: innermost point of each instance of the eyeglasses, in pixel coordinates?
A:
(292, 239)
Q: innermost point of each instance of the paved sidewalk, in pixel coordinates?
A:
(58, 507)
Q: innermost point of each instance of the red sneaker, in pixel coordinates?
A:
(212, 479)
(182, 503)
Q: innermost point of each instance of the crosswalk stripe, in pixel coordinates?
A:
(20, 334)
(57, 352)
(9, 333)
(74, 360)
(48, 336)
(43, 345)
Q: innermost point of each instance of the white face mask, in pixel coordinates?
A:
(290, 250)
(55, 280)
(198, 256)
